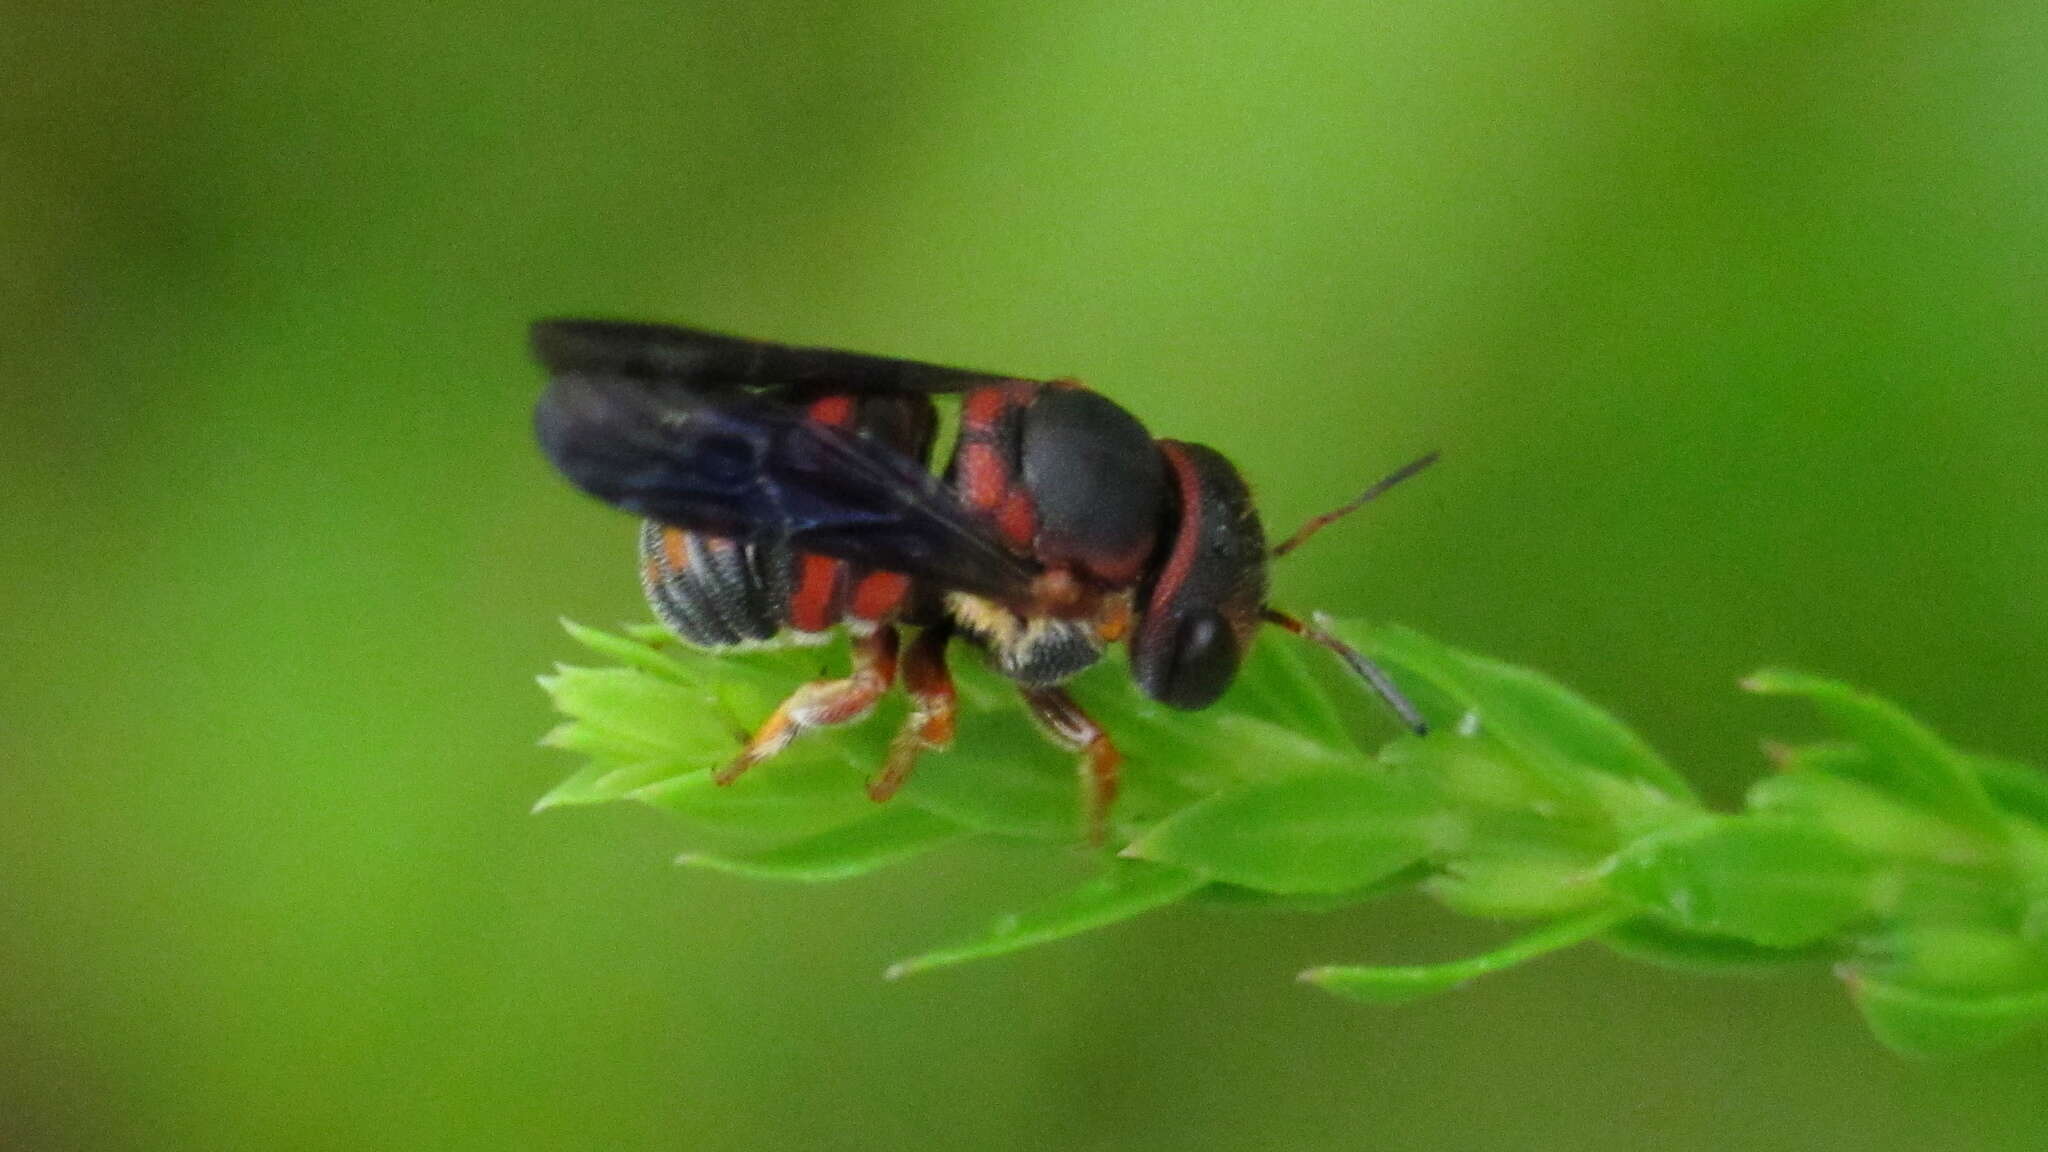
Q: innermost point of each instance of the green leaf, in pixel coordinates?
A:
(1019, 786)
(649, 633)
(1770, 881)
(1125, 889)
(1871, 820)
(1518, 882)
(1276, 684)
(1400, 984)
(1324, 833)
(664, 719)
(1916, 1022)
(1466, 773)
(603, 781)
(897, 832)
(1540, 709)
(1914, 762)
(1554, 729)
(1950, 956)
(802, 792)
(1657, 942)
(597, 743)
(632, 653)
(1238, 897)
(2020, 790)
(2030, 864)
(1924, 868)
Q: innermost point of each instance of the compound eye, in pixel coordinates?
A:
(1202, 664)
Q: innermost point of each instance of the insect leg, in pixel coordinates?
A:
(1069, 727)
(930, 723)
(823, 703)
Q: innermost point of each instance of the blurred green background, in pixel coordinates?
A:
(1728, 316)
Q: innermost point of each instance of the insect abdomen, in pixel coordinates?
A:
(714, 592)
(710, 591)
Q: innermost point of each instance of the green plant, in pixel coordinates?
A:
(1918, 871)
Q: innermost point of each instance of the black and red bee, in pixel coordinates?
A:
(787, 491)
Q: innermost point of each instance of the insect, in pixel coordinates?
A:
(787, 491)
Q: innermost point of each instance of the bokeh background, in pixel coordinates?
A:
(1727, 314)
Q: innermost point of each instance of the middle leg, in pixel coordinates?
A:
(823, 703)
(929, 727)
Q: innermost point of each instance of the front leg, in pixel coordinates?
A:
(1061, 719)
(823, 703)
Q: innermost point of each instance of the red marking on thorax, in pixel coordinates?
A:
(982, 407)
(983, 477)
(1017, 519)
(834, 410)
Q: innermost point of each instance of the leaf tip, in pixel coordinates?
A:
(1773, 681)
(900, 969)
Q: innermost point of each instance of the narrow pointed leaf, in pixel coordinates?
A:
(1915, 763)
(1233, 896)
(1926, 953)
(1872, 820)
(1915, 1022)
(1276, 684)
(603, 781)
(1400, 984)
(1017, 787)
(1326, 833)
(1769, 881)
(798, 794)
(667, 719)
(599, 744)
(1125, 889)
(1657, 942)
(898, 832)
(1541, 709)
(1510, 884)
(632, 653)
(2019, 790)
(1553, 727)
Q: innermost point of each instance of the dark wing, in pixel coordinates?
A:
(744, 466)
(709, 360)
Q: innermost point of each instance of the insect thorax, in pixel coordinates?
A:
(1038, 651)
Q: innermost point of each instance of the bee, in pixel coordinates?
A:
(787, 492)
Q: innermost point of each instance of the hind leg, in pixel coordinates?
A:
(823, 703)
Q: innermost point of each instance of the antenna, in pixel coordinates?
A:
(1318, 523)
(1358, 662)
